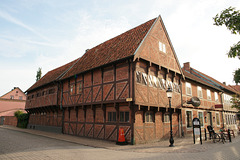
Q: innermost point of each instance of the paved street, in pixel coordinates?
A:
(25, 144)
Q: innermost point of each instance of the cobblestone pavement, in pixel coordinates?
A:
(26, 144)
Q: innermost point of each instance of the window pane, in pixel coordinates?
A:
(200, 116)
(189, 118)
(126, 116)
(114, 116)
(121, 116)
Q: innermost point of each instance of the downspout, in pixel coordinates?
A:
(181, 110)
(61, 108)
(222, 108)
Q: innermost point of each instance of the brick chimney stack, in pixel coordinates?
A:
(186, 66)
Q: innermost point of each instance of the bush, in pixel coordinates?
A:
(22, 119)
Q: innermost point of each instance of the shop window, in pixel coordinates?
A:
(199, 92)
(166, 118)
(200, 117)
(218, 119)
(188, 89)
(124, 116)
(112, 116)
(149, 116)
(189, 118)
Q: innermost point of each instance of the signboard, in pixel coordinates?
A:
(196, 129)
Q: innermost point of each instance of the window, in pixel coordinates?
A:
(155, 81)
(138, 76)
(200, 117)
(72, 89)
(79, 87)
(166, 118)
(11, 97)
(112, 116)
(150, 80)
(38, 94)
(199, 92)
(20, 97)
(217, 119)
(170, 84)
(226, 118)
(208, 94)
(189, 118)
(216, 96)
(162, 47)
(188, 89)
(51, 91)
(43, 93)
(144, 78)
(149, 117)
(124, 116)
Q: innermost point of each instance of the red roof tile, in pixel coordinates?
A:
(112, 50)
(52, 75)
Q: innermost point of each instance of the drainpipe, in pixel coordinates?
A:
(61, 108)
(181, 110)
(222, 108)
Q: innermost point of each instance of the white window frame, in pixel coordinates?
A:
(217, 115)
(199, 92)
(191, 119)
(162, 47)
(188, 85)
(202, 125)
(209, 94)
(216, 96)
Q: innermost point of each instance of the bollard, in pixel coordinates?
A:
(229, 136)
(205, 131)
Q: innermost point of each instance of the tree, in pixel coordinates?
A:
(230, 17)
(39, 74)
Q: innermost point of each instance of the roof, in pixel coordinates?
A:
(52, 75)
(12, 91)
(236, 88)
(204, 79)
(117, 48)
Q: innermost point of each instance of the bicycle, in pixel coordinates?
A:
(215, 137)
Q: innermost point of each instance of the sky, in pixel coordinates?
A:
(51, 33)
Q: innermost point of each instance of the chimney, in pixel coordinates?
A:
(224, 83)
(186, 66)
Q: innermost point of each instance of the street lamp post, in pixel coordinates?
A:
(169, 95)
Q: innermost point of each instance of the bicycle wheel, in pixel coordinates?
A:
(216, 137)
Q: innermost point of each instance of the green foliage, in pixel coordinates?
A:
(235, 102)
(22, 119)
(236, 77)
(39, 74)
(17, 113)
(230, 17)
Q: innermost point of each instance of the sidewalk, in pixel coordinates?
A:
(182, 145)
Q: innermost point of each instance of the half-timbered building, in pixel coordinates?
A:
(120, 83)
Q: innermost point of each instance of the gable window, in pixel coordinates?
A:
(149, 116)
(216, 96)
(208, 94)
(162, 47)
(124, 116)
(189, 119)
(20, 97)
(11, 97)
(199, 92)
(72, 89)
(188, 89)
(112, 117)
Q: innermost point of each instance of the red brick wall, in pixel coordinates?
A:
(10, 120)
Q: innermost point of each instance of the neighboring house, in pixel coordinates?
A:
(10, 103)
(120, 83)
(215, 108)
